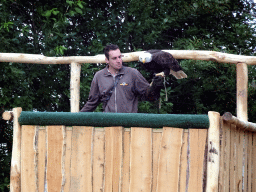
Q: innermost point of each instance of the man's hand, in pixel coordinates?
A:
(153, 92)
(157, 82)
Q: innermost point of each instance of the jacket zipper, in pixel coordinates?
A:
(115, 93)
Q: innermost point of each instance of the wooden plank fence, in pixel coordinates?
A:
(80, 158)
(237, 158)
(87, 158)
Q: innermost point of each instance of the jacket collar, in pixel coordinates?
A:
(107, 73)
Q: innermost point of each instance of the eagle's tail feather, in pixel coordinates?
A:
(182, 74)
(175, 74)
(178, 74)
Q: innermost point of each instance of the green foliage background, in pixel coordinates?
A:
(73, 28)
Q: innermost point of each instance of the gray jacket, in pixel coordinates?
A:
(124, 98)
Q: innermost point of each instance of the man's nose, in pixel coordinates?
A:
(119, 59)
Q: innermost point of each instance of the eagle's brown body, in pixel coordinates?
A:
(166, 63)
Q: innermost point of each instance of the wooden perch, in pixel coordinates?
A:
(128, 57)
(7, 115)
(41, 59)
(247, 126)
(212, 56)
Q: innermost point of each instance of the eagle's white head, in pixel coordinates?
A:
(145, 57)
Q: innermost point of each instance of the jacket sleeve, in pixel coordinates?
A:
(144, 89)
(93, 99)
(141, 85)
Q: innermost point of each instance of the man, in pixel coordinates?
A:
(119, 87)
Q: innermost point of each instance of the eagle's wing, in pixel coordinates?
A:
(176, 69)
(153, 51)
(168, 62)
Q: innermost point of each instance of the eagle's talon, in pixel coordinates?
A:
(160, 74)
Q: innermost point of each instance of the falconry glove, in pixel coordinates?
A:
(153, 91)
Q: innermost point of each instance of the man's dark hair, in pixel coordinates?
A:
(109, 48)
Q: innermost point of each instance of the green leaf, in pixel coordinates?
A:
(48, 13)
(79, 3)
(72, 13)
(195, 5)
(55, 12)
(70, 2)
(78, 10)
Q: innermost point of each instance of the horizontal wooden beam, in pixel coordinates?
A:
(212, 56)
(247, 126)
(127, 57)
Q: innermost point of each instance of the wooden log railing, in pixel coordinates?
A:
(237, 174)
(244, 125)
(240, 60)
(128, 57)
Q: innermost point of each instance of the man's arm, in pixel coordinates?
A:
(93, 99)
(149, 92)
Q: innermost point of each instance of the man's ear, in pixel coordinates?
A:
(106, 59)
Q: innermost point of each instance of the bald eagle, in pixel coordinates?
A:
(160, 61)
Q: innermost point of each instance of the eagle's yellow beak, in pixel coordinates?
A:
(143, 61)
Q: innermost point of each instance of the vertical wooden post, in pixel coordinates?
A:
(75, 87)
(213, 158)
(15, 183)
(242, 114)
(242, 91)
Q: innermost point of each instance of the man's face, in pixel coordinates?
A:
(115, 60)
